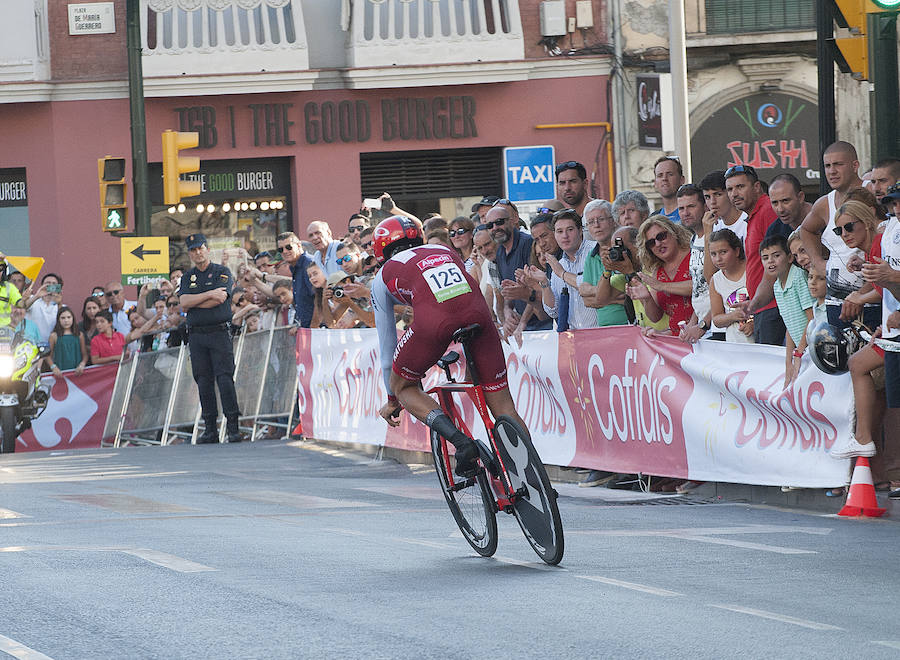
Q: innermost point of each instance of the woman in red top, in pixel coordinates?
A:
(665, 251)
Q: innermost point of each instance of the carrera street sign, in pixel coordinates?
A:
(144, 259)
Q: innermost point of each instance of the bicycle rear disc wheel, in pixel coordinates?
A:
(472, 505)
(535, 505)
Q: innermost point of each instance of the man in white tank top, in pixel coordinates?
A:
(841, 171)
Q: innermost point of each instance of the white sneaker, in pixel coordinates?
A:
(851, 448)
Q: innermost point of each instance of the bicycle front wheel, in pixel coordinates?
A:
(470, 500)
(535, 499)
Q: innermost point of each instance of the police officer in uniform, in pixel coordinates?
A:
(205, 293)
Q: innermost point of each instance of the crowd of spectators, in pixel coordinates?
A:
(731, 258)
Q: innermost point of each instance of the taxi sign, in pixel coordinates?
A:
(144, 259)
(528, 173)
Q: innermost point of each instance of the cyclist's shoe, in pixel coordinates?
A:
(467, 460)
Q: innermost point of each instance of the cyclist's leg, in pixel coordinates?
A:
(500, 402)
(421, 406)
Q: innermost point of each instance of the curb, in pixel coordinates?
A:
(806, 499)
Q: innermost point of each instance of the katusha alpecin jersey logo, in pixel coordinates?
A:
(434, 260)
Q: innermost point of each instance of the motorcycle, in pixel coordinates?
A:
(22, 396)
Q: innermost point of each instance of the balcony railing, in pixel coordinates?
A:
(201, 37)
(427, 32)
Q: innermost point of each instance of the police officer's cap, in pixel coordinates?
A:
(195, 241)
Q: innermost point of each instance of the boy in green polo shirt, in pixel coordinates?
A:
(795, 304)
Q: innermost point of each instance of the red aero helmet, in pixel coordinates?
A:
(393, 230)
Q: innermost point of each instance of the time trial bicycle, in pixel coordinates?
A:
(510, 478)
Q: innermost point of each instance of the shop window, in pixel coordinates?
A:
(728, 16)
(244, 204)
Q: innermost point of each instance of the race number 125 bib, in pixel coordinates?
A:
(446, 281)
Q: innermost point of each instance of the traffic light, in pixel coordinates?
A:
(174, 165)
(113, 193)
(853, 51)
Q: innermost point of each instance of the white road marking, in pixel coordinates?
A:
(166, 560)
(295, 500)
(7, 514)
(711, 534)
(763, 614)
(409, 492)
(540, 566)
(707, 531)
(656, 591)
(19, 650)
(744, 544)
(163, 559)
(889, 644)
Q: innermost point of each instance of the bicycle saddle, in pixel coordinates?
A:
(448, 359)
(465, 334)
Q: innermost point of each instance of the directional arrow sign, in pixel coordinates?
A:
(144, 259)
(139, 252)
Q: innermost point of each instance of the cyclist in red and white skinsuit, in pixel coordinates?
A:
(433, 281)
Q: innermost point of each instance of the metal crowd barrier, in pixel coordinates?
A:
(155, 399)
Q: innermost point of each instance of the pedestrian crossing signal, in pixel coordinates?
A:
(113, 193)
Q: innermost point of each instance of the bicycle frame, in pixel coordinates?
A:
(503, 492)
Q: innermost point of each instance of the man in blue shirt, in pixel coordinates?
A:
(291, 250)
(668, 177)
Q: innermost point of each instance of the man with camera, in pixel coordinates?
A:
(601, 223)
(348, 308)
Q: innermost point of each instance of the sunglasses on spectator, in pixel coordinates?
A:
(659, 238)
(288, 247)
(501, 202)
(847, 227)
(97, 294)
(457, 232)
(172, 304)
(495, 223)
(543, 210)
(356, 228)
(114, 293)
(367, 245)
(741, 169)
(568, 165)
(346, 259)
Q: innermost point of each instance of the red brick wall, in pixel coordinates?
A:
(530, 11)
(86, 56)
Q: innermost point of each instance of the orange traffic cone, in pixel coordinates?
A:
(861, 501)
